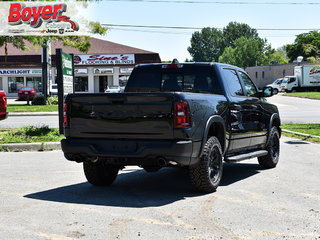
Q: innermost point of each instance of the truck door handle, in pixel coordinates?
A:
(236, 107)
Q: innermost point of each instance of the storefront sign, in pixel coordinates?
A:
(81, 71)
(126, 70)
(13, 72)
(102, 70)
(103, 59)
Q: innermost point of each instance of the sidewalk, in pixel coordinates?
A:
(23, 114)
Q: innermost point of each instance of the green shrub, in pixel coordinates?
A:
(52, 100)
(39, 101)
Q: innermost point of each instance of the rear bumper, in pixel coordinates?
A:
(130, 151)
(25, 96)
(3, 115)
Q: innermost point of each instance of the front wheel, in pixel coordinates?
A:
(206, 175)
(275, 91)
(273, 148)
(100, 173)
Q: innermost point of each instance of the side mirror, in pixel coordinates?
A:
(267, 92)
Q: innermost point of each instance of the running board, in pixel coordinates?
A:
(241, 157)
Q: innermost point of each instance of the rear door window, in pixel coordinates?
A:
(233, 82)
(248, 85)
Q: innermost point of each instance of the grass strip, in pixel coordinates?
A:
(30, 134)
(311, 129)
(31, 108)
(314, 95)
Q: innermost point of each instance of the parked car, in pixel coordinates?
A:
(26, 92)
(193, 115)
(54, 89)
(113, 89)
(3, 106)
(276, 85)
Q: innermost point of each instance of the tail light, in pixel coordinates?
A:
(65, 115)
(4, 100)
(182, 117)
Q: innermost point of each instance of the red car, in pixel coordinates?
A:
(26, 92)
(3, 106)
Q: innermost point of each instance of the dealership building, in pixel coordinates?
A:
(106, 63)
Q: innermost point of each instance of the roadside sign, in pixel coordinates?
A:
(65, 80)
(67, 71)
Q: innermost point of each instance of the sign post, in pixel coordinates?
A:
(65, 80)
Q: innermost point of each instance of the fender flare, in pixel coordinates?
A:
(274, 117)
(210, 121)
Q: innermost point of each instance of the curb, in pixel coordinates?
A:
(20, 147)
(23, 114)
(301, 97)
(49, 146)
(300, 134)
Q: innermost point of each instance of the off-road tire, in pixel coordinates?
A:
(206, 175)
(273, 148)
(100, 173)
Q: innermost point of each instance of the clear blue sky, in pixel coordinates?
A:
(171, 43)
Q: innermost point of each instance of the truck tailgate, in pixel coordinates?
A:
(121, 115)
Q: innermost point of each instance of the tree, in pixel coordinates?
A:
(209, 44)
(306, 45)
(247, 52)
(280, 55)
(206, 46)
(235, 30)
(17, 42)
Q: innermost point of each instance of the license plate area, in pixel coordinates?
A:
(121, 147)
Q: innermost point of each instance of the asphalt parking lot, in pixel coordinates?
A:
(43, 196)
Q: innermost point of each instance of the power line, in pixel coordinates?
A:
(199, 28)
(220, 2)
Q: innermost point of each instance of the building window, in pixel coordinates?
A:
(123, 79)
(35, 82)
(256, 74)
(263, 74)
(14, 84)
(81, 84)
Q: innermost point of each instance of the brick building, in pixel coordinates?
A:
(106, 63)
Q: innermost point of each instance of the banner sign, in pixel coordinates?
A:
(81, 71)
(102, 70)
(12, 72)
(42, 18)
(104, 59)
(126, 70)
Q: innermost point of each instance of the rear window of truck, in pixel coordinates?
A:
(188, 78)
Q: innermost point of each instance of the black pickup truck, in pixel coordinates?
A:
(191, 115)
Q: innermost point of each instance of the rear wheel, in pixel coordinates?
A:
(151, 168)
(273, 148)
(206, 175)
(100, 173)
